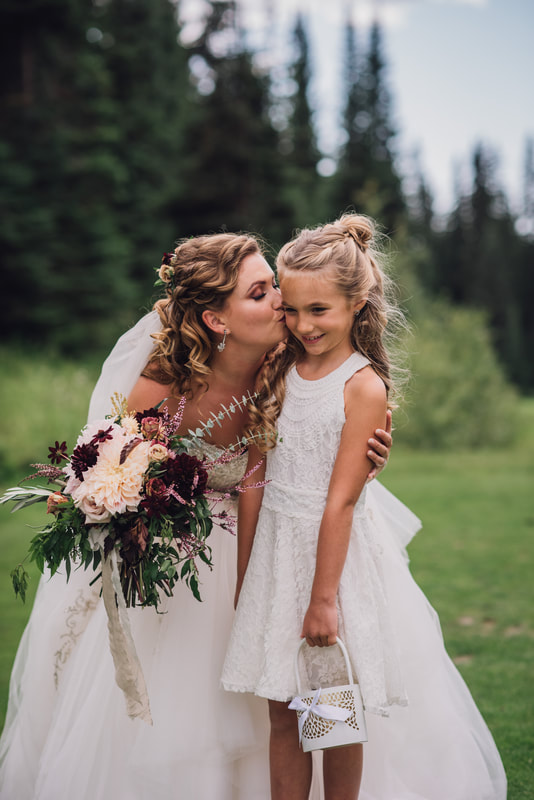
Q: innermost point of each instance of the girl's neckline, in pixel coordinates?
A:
(328, 374)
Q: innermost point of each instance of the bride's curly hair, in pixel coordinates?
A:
(200, 275)
(349, 249)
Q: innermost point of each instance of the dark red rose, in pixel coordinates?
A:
(157, 498)
(151, 427)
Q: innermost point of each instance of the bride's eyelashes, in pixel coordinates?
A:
(263, 293)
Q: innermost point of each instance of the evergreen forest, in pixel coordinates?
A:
(117, 139)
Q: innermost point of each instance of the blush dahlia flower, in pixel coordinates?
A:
(111, 487)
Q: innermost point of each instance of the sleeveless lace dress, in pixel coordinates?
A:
(427, 739)
(67, 734)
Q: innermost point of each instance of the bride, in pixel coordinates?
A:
(67, 734)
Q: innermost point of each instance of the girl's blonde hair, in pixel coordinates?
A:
(200, 275)
(349, 250)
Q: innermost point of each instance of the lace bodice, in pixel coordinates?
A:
(222, 476)
(310, 427)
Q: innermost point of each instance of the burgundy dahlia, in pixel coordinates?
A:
(83, 457)
(187, 475)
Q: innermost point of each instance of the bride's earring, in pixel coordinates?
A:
(222, 345)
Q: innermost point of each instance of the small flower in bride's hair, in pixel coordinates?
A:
(167, 259)
(166, 273)
(53, 502)
(58, 452)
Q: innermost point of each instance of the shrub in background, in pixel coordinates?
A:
(458, 396)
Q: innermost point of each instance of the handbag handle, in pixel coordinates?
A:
(343, 650)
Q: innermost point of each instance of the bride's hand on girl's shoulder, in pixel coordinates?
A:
(380, 448)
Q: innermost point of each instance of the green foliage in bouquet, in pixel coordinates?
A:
(130, 485)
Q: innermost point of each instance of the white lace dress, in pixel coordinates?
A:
(427, 740)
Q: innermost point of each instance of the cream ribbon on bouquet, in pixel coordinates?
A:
(334, 713)
(128, 672)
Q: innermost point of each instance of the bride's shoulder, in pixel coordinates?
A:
(147, 393)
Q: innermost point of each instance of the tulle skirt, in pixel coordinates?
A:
(67, 734)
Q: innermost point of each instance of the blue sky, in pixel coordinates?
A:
(460, 72)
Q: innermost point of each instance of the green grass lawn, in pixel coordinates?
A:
(474, 559)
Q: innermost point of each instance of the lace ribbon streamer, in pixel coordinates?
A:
(325, 712)
(128, 672)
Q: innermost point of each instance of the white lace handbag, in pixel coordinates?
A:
(329, 717)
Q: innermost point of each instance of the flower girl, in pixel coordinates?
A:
(325, 556)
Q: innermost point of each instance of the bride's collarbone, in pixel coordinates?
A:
(228, 426)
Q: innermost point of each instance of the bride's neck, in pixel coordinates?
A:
(236, 369)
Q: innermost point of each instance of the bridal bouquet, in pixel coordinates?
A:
(131, 490)
(131, 502)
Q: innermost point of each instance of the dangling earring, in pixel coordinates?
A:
(222, 345)
(358, 313)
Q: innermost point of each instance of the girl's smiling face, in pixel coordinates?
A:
(317, 313)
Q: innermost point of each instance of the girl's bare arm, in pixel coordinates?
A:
(365, 408)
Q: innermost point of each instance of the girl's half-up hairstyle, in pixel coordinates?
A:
(199, 275)
(348, 248)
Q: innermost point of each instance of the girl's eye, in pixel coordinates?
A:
(259, 296)
(318, 310)
(288, 310)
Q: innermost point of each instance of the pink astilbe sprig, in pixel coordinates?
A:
(259, 485)
(224, 458)
(54, 474)
(171, 424)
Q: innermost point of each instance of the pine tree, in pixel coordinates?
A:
(59, 233)
(233, 172)
(367, 177)
(300, 143)
(153, 94)
(479, 263)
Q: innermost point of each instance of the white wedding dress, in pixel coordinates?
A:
(67, 734)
